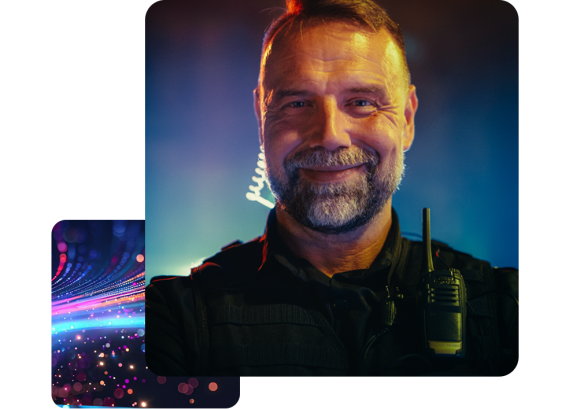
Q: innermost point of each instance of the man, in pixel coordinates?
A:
(336, 111)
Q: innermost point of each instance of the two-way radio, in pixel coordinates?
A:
(442, 302)
(443, 296)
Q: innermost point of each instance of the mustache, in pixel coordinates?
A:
(319, 156)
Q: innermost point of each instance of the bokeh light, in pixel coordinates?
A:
(119, 393)
(97, 308)
(98, 329)
(193, 382)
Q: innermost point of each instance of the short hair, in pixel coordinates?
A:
(364, 13)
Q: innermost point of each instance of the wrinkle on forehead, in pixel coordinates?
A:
(359, 41)
(317, 49)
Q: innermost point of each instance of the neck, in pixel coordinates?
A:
(336, 253)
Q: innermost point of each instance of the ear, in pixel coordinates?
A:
(410, 113)
(258, 113)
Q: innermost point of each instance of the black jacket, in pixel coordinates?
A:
(255, 309)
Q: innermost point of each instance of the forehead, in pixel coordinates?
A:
(331, 51)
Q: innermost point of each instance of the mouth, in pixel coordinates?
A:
(324, 174)
(332, 168)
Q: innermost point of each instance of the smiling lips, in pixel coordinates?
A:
(332, 173)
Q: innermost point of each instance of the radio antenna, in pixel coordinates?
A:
(426, 239)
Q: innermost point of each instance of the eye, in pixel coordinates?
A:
(297, 104)
(361, 103)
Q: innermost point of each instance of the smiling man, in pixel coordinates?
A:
(336, 111)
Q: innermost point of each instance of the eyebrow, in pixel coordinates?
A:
(292, 93)
(381, 92)
(369, 89)
(353, 90)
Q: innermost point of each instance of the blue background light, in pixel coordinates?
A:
(202, 64)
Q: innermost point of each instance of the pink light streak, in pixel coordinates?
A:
(62, 261)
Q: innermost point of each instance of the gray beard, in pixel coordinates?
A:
(336, 207)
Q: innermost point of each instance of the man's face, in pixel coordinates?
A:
(336, 114)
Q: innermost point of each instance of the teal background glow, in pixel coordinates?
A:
(202, 63)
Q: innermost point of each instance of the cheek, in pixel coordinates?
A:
(281, 139)
(288, 128)
(276, 150)
(380, 135)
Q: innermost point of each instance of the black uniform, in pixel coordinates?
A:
(256, 309)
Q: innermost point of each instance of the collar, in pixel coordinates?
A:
(274, 249)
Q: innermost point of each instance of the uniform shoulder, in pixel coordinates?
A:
(443, 247)
(234, 260)
(451, 257)
(506, 278)
(165, 286)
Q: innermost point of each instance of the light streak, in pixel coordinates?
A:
(97, 294)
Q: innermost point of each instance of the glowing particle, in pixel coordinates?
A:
(139, 258)
(130, 391)
(143, 404)
(191, 401)
(119, 393)
(161, 380)
(213, 386)
(131, 366)
(120, 364)
(183, 387)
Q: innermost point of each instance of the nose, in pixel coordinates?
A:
(330, 130)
